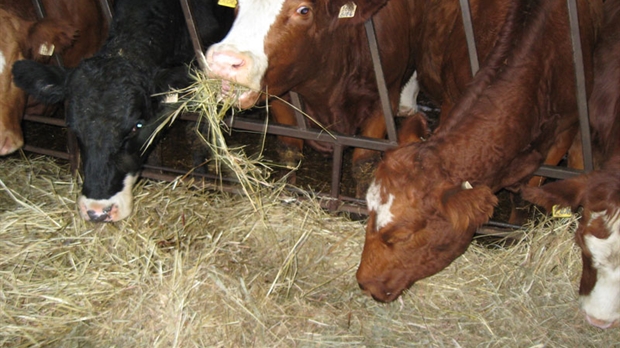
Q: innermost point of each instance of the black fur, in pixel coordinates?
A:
(147, 51)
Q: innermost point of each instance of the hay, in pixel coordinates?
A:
(193, 268)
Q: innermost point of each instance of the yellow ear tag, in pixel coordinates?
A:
(347, 10)
(228, 3)
(46, 49)
(561, 212)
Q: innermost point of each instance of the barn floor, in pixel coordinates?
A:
(197, 268)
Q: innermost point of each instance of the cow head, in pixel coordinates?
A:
(269, 39)
(420, 221)
(598, 236)
(22, 39)
(110, 108)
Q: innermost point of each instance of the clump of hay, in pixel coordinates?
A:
(203, 98)
(197, 268)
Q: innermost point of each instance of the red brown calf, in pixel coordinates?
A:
(428, 198)
(598, 192)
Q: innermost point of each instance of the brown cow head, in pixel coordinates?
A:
(420, 221)
(271, 40)
(598, 236)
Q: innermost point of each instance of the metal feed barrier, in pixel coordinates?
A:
(336, 201)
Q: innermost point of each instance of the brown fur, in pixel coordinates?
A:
(76, 28)
(496, 135)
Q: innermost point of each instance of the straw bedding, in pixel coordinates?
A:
(197, 268)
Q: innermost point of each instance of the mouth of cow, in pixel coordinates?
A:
(242, 96)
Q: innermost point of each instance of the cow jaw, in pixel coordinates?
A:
(112, 209)
(602, 304)
(241, 56)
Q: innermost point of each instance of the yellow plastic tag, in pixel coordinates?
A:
(228, 3)
(561, 212)
(46, 49)
(347, 10)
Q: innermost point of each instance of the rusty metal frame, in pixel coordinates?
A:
(335, 200)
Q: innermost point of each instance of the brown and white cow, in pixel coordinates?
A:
(598, 192)
(427, 199)
(74, 29)
(297, 45)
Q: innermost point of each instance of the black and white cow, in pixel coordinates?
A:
(109, 98)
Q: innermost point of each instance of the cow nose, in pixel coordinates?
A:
(99, 217)
(227, 64)
(601, 324)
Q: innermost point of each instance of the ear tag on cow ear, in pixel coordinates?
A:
(347, 10)
(466, 185)
(561, 212)
(46, 49)
(227, 3)
(171, 98)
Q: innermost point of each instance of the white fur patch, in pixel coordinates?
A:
(2, 62)
(603, 303)
(119, 205)
(409, 95)
(383, 211)
(247, 36)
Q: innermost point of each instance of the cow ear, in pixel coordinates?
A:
(353, 12)
(565, 193)
(467, 206)
(47, 37)
(43, 82)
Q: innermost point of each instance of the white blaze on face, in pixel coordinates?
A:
(375, 203)
(113, 209)
(2, 63)
(245, 44)
(603, 302)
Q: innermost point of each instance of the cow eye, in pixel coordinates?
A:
(303, 10)
(137, 126)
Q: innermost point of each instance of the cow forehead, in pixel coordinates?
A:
(382, 208)
(254, 19)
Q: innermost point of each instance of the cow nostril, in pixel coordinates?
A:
(361, 286)
(93, 216)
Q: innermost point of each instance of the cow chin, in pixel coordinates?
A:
(112, 209)
(248, 99)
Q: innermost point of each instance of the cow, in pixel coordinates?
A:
(72, 29)
(597, 192)
(428, 198)
(114, 99)
(291, 45)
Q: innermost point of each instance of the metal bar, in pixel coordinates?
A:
(193, 33)
(46, 152)
(336, 170)
(582, 102)
(557, 172)
(469, 35)
(381, 85)
(45, 120)
(107, 10)
(296, 101)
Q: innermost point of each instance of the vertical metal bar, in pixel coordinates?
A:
(582, 102)
(193, 33)
(336, 170)
(469, 35)
(381, 85)
(296, 101)
(107, 10)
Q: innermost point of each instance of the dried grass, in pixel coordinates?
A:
(194, 268)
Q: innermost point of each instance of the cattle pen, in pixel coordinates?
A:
(199, 265)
